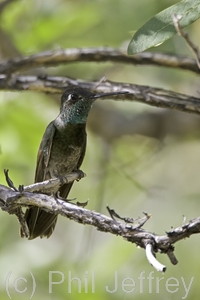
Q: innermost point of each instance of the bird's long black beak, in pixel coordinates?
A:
(109, 94)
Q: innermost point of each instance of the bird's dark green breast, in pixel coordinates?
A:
(67, 151)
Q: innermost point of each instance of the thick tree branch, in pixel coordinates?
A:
(11, 201)
(101, 54)
(144, 94)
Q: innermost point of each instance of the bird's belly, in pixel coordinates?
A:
(63, 160)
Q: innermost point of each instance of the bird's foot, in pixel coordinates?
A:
(81, 204)
(81, 174)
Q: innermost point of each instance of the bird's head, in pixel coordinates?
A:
(76, 103)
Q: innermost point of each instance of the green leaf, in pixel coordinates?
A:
(160, 28)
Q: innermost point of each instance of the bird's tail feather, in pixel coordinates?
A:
(40, 222)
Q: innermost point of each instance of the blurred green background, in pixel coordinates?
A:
(156, 173)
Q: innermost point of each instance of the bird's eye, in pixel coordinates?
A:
(73, 98)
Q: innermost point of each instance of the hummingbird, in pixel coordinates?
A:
(61, 151)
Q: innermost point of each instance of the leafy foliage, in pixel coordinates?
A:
(160, 28)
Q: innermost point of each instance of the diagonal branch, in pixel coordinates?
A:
(186, 36)
(143, 94)
(11, 200)
(101, 54)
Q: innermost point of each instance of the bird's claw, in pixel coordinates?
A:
(82, 204)
(81, 174)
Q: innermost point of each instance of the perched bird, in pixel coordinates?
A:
(61, 151)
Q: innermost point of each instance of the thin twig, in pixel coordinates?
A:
(24, 227)
(185, 35)
(152, 260)
(172, 257)
(9, 181)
